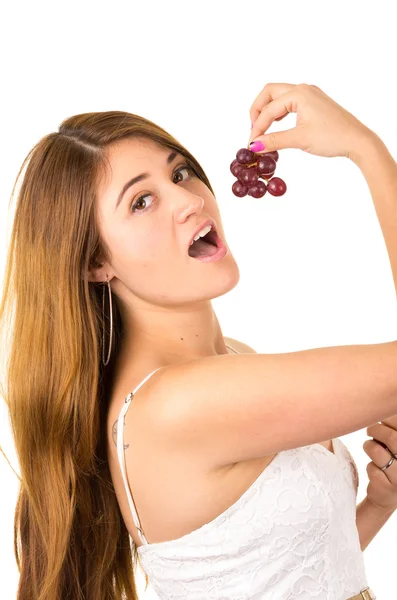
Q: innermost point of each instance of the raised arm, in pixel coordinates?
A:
(236, 408)
(380, 171)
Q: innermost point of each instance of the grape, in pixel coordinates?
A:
(258, 190)
(236, 168)
(273, 155)
(248, 176)
(239, 189)
(245, 156)
(232, 164)
(266, 165)
(276, 186)
(251, 169)
(267, 177)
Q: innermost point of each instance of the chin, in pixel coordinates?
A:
(227, 278)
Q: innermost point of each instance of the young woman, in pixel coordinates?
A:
(141, 431)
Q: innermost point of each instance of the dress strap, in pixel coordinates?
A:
(233, 350)
(120, 449)
(121, 455)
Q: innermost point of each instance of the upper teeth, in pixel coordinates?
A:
(202, 233)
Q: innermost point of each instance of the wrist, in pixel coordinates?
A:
(380, 510)
(365, 145)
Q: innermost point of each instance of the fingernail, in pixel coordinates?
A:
(257, 146)
(252, 125)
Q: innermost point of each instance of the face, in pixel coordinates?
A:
(150, 230)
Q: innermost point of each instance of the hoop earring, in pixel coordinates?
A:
(111, 321)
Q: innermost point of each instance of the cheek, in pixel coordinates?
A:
(143, 251)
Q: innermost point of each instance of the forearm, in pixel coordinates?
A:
(380, 171)
(369, 521)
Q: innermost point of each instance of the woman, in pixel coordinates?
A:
(235, 492)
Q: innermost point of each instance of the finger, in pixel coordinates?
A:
(278, 119)
(374, 472)
(377, 477)
(385, 481)
(376, 429)
(279, 107)
(279, 140)
(380, 457)
(270, 92)
(391, 422)
(376, 452)
(384, 434)
(382, 444)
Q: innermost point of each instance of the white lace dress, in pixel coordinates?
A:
(291, 536)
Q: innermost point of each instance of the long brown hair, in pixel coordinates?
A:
(70, 540)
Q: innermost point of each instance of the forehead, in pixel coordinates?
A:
(134, 149)
(126, 159)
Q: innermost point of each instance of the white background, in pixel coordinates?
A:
(314, 266)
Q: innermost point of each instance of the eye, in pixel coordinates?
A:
(135, 205)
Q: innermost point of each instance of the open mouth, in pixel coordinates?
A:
(205, 246)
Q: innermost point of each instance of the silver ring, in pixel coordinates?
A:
(391, 461)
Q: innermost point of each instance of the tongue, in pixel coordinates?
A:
(202, 248)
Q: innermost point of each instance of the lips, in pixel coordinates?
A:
(200, 227)
(213, 238)
(216, 253)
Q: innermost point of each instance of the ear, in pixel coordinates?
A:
(99, 273)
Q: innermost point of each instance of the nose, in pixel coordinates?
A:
(187, 203)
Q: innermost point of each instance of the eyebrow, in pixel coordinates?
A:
(140, 177)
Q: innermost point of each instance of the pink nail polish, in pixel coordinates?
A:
(257, 146)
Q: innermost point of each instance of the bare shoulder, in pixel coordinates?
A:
(239, 346)
(237, 407)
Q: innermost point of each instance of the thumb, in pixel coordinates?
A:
(278, 140)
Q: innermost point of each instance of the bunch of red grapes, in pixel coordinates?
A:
(251, 169)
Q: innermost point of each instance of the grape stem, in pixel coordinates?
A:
(255, 164)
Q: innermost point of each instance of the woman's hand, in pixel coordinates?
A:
(382, 487)
(323, 127)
